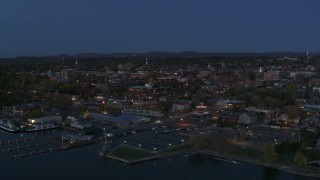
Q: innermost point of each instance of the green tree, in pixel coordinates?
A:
(293, 112)
(198, 142)
(286, 147)
(291, 92)
(316, 93)
(36, 112)
(269, 152)
(300, 159)
(63, 102)
(165, 106)
(252, 76)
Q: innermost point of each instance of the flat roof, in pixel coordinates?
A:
(231, 101)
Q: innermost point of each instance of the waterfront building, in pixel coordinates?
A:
(142, 112)
(123, 120)
(248, 118)
(45, 119)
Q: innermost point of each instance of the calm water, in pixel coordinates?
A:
(85, 163)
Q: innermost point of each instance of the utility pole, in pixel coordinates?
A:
(299, 138)
(62, 146)
(265, 117)
(21, 122)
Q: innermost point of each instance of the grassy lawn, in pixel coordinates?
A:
(177, 148)
(130, 153)
(246, 152)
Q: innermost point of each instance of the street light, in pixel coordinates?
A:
(292, 135)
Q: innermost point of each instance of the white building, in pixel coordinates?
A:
(45, 119)
(248, 118)
(142, 112)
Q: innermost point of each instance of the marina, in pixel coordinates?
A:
(86, 164)
(17, 146)
(50, 143)
(35, 143)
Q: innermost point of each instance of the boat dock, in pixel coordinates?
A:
(23, 147)
(16, 141)
(149, 158)
(20, 147)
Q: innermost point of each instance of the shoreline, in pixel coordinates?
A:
(292, 170)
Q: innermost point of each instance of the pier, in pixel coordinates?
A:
(21, 147)
(17, 141)
(149, 158)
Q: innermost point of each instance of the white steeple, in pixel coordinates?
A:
(261, 70)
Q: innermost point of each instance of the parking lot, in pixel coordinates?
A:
(153, 140)
(276, 133)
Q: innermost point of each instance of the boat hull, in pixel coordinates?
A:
(41, 129)
(8, 129)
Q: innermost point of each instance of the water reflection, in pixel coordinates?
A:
(84, 163)
(196, 160)
(269, 173)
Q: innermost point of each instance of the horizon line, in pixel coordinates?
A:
(173, 52)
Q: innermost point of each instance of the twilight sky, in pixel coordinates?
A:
(51, 27)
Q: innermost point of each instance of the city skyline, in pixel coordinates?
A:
(38, 28)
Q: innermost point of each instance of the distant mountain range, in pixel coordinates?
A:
(198, 54)
(180, 54)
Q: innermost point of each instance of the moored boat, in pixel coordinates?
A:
(41, 127)
(8, 126)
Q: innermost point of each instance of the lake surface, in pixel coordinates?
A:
(85, 163)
